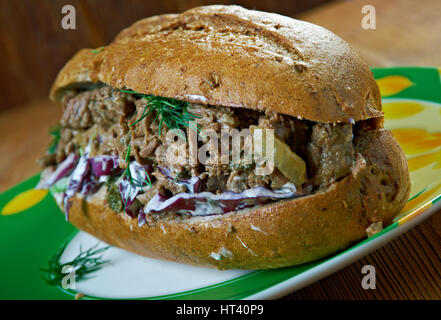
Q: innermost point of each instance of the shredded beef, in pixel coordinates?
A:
(105, 119)
(76, 113)
(102, 106)
(165, 184)
(330, 152)
(108, 105)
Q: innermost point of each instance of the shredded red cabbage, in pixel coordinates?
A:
(89, 173)
(89, 185)
(105, 165)
(141, 219)
(76, 180)
(128, 196)
(130, 189)
(63, 169)
(193, 184)
(87, 176)
(207, 203)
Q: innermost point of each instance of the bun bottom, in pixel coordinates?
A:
(276, 235)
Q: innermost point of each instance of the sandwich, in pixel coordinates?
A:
(224, 137)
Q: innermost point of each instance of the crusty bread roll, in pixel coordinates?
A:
(230, 56)
(233, 57)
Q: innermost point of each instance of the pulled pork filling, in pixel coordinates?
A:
(106, 122)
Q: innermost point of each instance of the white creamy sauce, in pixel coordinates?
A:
(216, 256)
(223, 253)
(196, 97)
(253, 227)
(44, 175)
(103, 179)
(58, 197)
(208, 207)
(245, 246)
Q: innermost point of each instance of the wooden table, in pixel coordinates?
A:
(406, 34)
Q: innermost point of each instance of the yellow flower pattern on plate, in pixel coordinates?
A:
(416, 125)
(23, 201)
(402, 109)
(391, 85)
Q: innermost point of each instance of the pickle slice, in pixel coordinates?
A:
(289, 163)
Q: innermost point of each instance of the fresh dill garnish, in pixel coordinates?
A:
(55, 132)
(135, 182)
(171, 112)
(84, 264)
(97, 50)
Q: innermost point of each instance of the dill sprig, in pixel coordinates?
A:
(84, 264)
(170, 112)
(55, 132)
(135, 182)
(97, 50)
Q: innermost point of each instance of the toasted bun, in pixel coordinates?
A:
(230, 56)
(280, 234)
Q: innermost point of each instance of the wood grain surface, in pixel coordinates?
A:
(34, 46)
(406, 34)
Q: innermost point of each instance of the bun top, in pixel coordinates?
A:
(231, 56)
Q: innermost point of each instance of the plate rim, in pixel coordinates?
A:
(345, 258)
